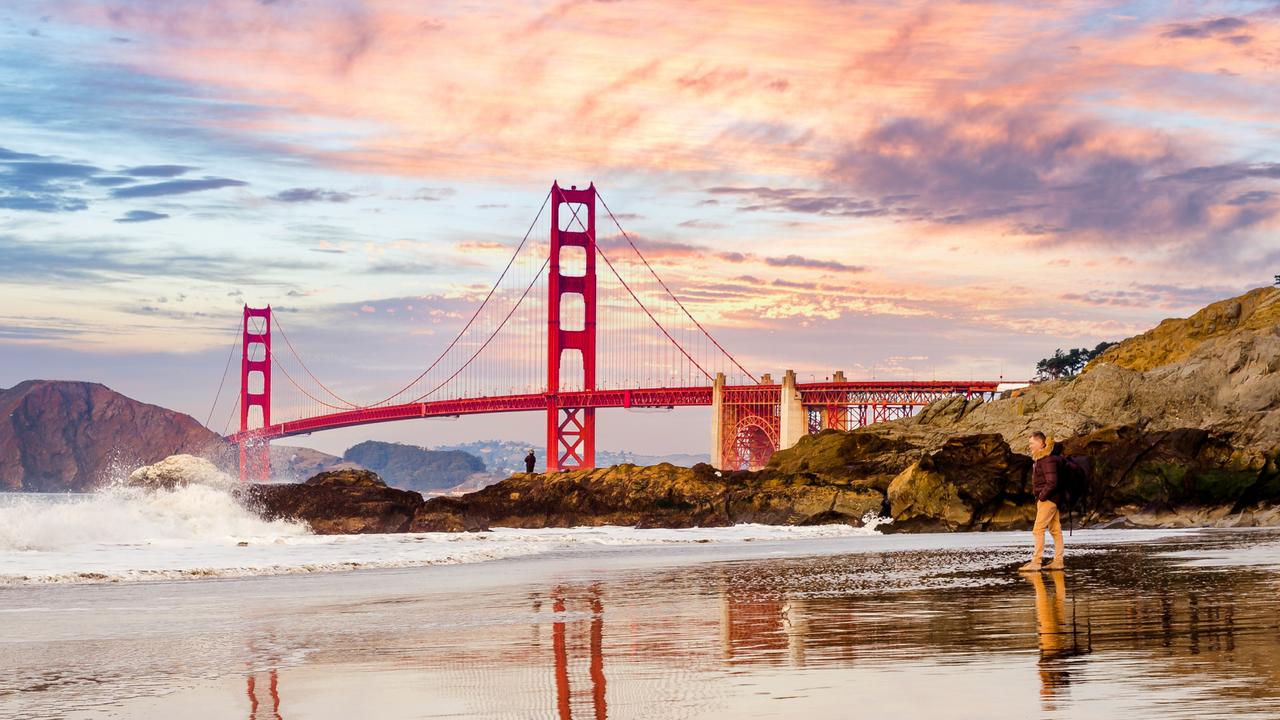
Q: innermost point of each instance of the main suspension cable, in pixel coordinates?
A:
(225, 370)
(474, 315)
(627, 237)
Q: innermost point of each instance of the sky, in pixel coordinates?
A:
(896, 190)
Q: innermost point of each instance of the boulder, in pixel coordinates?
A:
(179, 471)
(346, 501)
(867, 458)
(968, 483)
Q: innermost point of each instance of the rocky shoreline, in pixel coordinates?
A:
(1181, 478)
(1182, 424)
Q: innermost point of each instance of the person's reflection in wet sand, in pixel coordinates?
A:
(1057, 636)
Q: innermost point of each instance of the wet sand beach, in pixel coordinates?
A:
(1144, 624)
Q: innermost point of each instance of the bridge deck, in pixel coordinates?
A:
(812, 394)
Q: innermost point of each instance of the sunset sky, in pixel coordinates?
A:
(908, 190)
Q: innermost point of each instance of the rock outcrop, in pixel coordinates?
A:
(971, 482)
(179, 471)
(337, 502)
(652, 496)
(1171, 471)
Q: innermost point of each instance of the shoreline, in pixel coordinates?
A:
(319, 555)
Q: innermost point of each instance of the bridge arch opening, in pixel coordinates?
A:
(754, 440)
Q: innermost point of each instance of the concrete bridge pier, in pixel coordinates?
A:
(793, 421)
(717, 422)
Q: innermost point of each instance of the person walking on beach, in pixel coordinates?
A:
(1045, 476)
(529, 461)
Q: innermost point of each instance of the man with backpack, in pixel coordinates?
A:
(1048, 477)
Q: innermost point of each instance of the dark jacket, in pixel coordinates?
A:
(1045, 475)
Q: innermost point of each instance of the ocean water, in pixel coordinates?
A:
(126, 534)
(131, 604)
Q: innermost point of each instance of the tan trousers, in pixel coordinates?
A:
(1047, 518)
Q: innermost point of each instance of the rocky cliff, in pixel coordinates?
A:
(1183, 422)
(1216, 371)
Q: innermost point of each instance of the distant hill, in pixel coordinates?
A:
(415, 468)
(500, 457)
(506, 457)
(72, 436)
(57, 436)
(296, 464)
(606, 457)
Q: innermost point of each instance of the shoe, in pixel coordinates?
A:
(1057, 564)
(1033, 566)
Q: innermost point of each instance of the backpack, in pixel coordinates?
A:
(1073, 481)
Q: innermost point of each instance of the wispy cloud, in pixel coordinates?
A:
(109, 260)
(799, 261)
(158, 170)
(137, 216)
(1230, 29)
(175, 187)
(304, 195)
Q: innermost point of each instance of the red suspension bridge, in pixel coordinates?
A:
(576, 322)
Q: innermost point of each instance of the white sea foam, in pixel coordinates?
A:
(122, 516)
(129, 533)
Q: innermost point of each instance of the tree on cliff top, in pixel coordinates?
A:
(1068, 364)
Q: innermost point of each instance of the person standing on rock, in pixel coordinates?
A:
(1045, 475)
(529, 461)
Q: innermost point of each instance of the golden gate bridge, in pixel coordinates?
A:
(575, 323)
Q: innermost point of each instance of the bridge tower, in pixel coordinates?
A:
(255, 393)
(571, 431)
